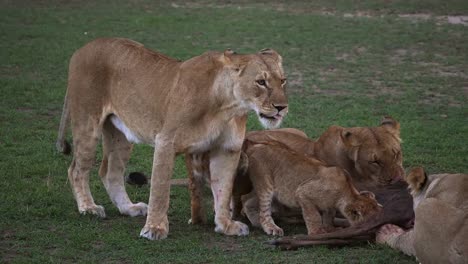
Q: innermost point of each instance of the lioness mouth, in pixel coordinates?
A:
(275, 117)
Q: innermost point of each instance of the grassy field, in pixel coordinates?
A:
(348, 63)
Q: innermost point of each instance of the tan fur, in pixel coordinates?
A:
(352, 149)
(371, 155)
(297, 181)
(440, 233)
(125, 92)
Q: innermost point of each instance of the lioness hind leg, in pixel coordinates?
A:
(116, 151)
(84, 141)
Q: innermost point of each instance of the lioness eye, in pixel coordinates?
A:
(261, 82)
(283, 81)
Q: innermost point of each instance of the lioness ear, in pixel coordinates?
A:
(416, 179)
(227, 56)
(272, 53)
(390, 123)
(228, 60)
(367, 194)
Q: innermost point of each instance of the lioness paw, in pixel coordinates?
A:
(388, 232)
(135, 209)
(155, 232)
(97, 210)
(274, 230)
(234, 228)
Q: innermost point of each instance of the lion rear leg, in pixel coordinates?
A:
(84, 142)
(116, 152)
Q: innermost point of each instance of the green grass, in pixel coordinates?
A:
(348, 63)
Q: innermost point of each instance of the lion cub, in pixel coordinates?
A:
(297, 181)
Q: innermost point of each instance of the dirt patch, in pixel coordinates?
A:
(10, 70)
(416, 17)
(9, 254)
(296, 82)
(380, 89)
(450, 71)
(458, 20)
(452, 20)
(24, 109)
(397, 56)
(436, 98)
(226, 244)
(366, 14)
(465, 91)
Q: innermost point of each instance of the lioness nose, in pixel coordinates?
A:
(279, 107)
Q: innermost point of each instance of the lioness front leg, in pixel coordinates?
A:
(223, 164)
(157, 225)
(396, 238)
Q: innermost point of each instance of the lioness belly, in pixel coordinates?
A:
(119, 124)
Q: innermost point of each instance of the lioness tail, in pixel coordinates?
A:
(61, 144)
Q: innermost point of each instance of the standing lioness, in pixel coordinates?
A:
(127, 93)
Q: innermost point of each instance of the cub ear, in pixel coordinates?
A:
(416, 179)
(352, 212)
(390, 123)
(273, 54)
(349, 138)
(367, 194)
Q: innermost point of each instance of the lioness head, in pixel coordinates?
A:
(364, 206)
(376, 151)
(260, 84)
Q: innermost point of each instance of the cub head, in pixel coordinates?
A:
(376, 151)
(362, 208)
(259, 83)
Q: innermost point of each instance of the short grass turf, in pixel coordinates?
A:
(348, 63)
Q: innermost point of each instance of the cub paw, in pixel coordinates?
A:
(97, 210)
(155, 232)
(135, 209)
(274, 230)
(388, 232)
(233, 228)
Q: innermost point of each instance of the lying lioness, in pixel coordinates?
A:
(440, 233)
(297, 181)
(127, 93)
